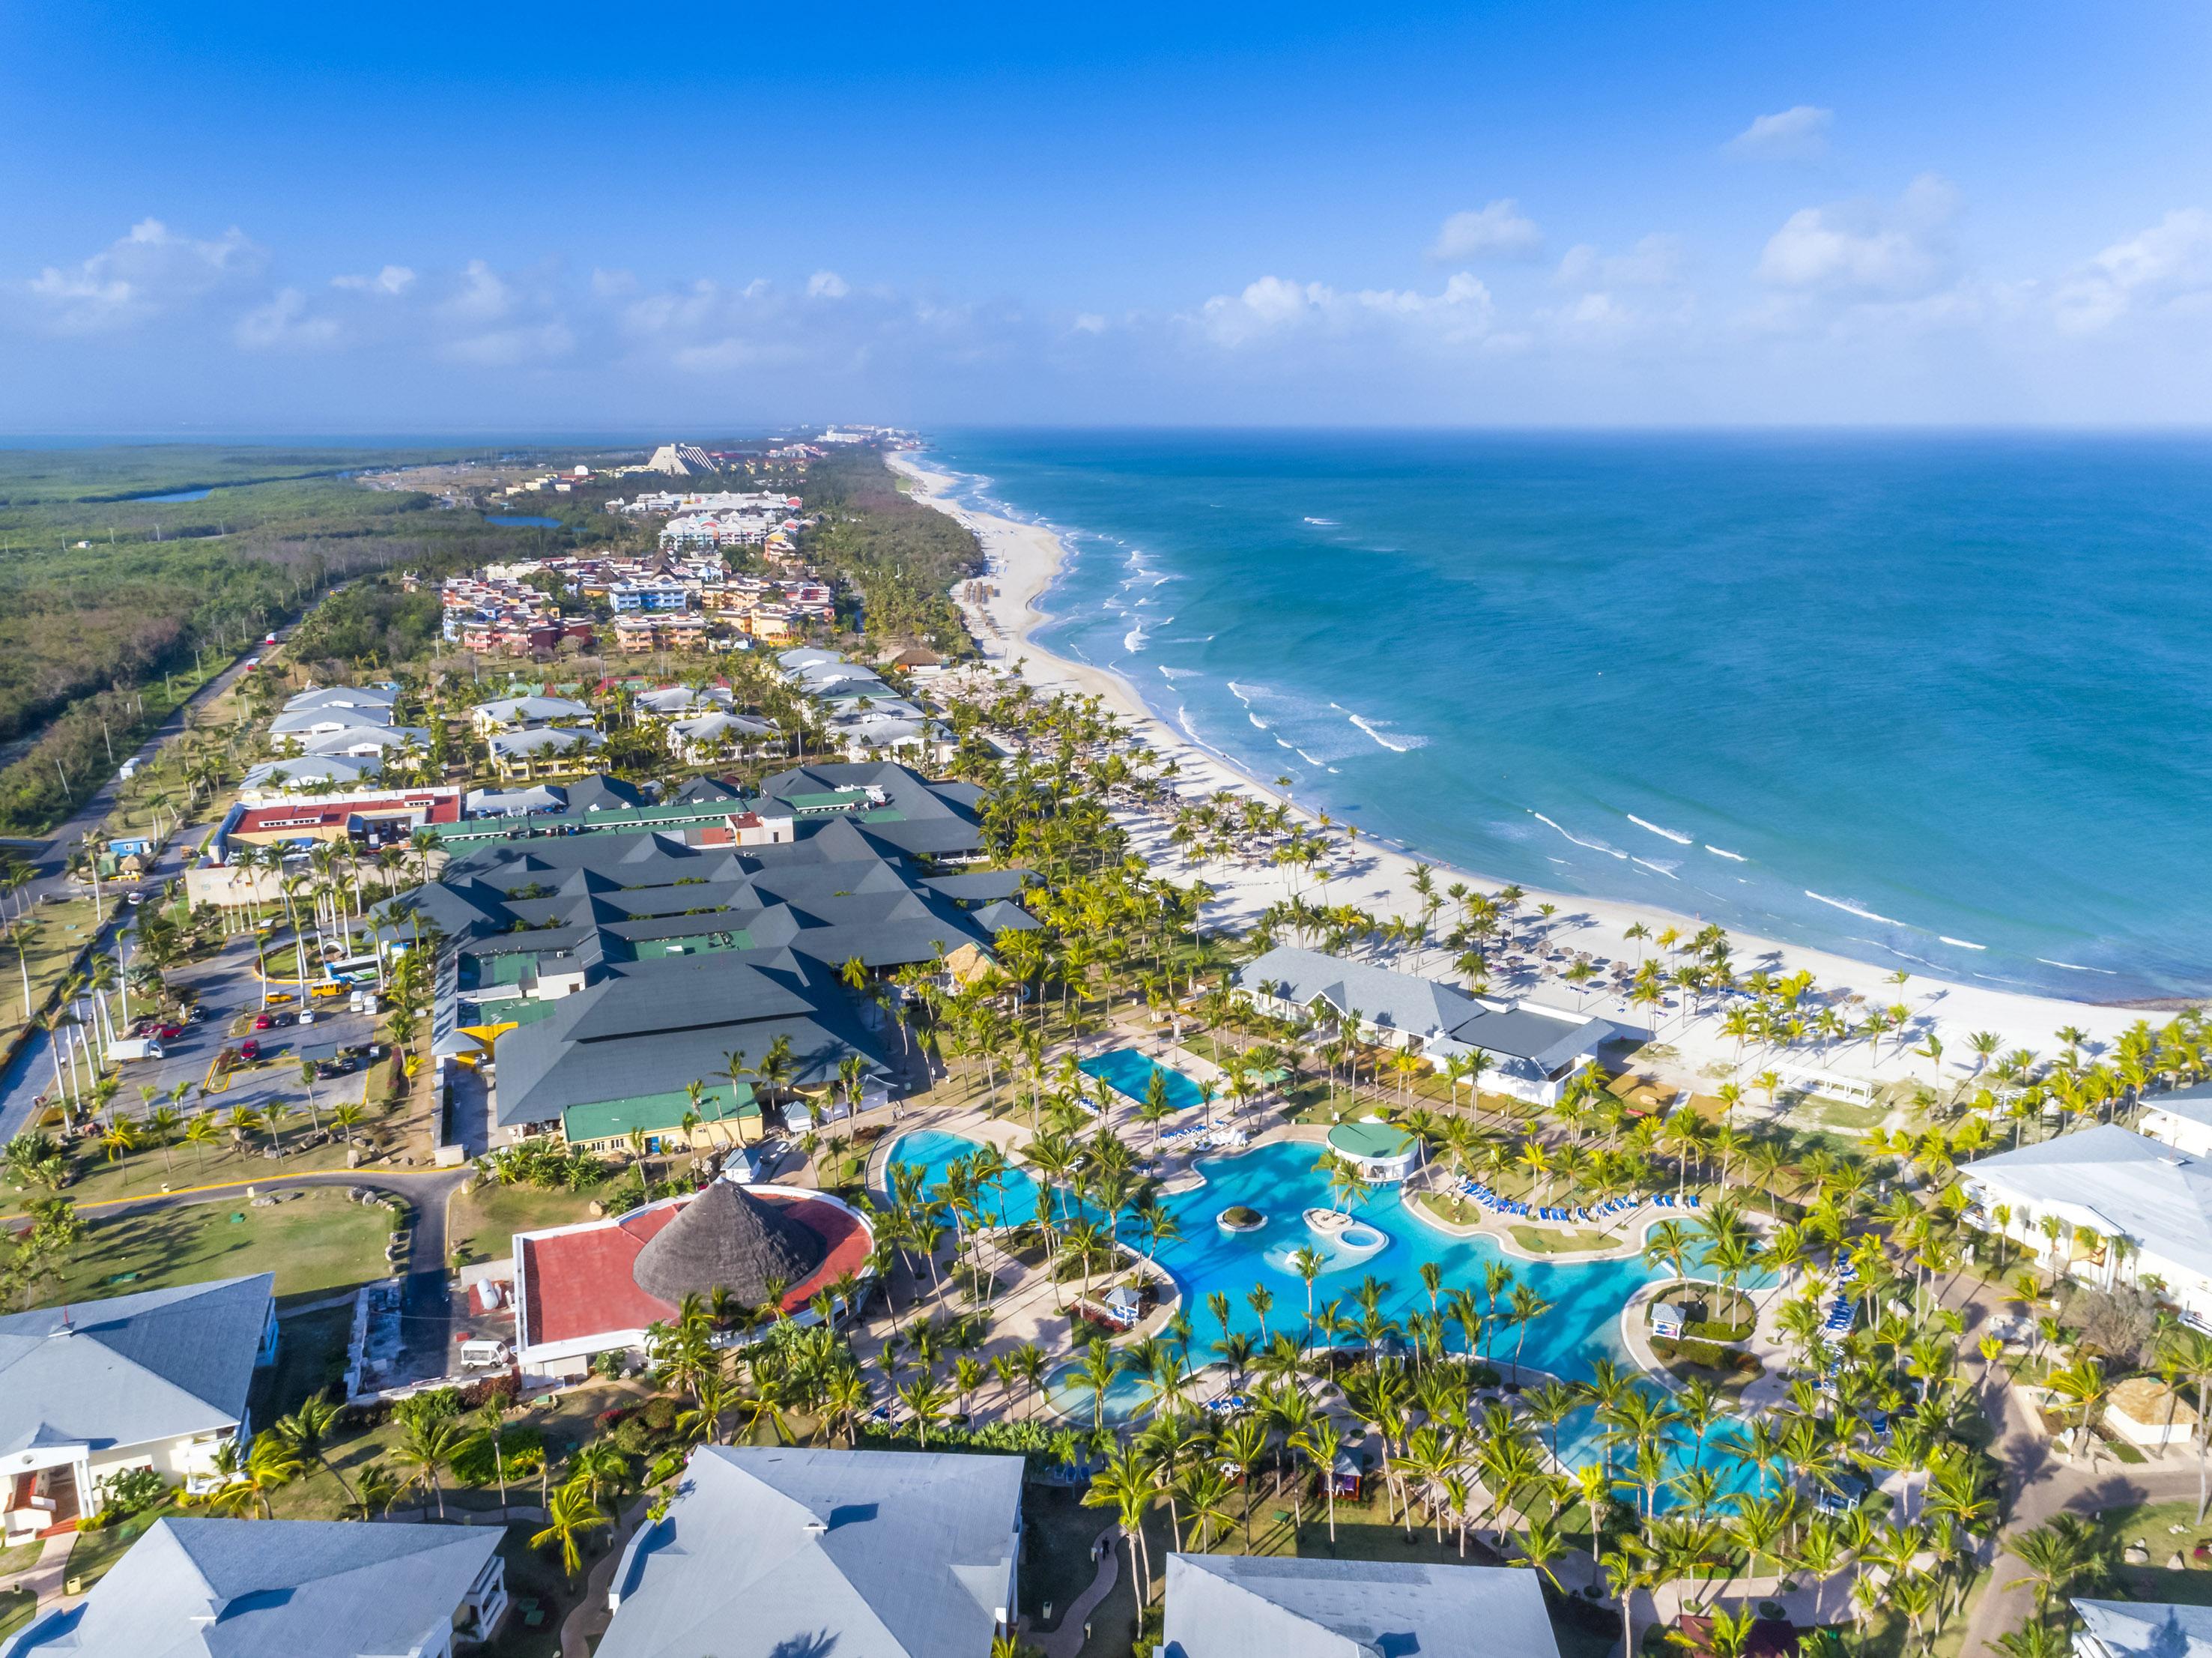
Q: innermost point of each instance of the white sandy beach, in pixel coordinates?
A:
(1024, 558)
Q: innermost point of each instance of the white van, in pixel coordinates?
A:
(481, 1353)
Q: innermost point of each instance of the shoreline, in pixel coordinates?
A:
(1024, 559)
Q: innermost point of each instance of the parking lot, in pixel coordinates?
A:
(229, 992)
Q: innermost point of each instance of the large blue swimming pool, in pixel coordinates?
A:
(1280, 1180)
(1130, 1073)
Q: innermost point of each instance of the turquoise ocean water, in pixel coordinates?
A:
(1934, 702)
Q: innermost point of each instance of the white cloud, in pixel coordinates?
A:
(1088, 322)
(1655, 261)
(283, 324)
(482, 297)
(2169, 265)
(391, 282)
(1499, 230)
(826, 284)
(1798, 133)
(1460, 312)
(148, 272)
(1867, 249)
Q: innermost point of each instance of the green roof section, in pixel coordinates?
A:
(656, 1113)
(631, 819)
(1369, 1139)
(699, 943)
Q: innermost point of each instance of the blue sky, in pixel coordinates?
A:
(233, 217)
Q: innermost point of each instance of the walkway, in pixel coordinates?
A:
(588, 1620)
(1067, 1640)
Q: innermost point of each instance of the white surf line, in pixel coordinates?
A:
(1722, 852)
(1594, 845)
(1963, 943)
(1849, 908)
(1664, 834)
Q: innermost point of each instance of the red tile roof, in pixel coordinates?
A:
(578, 1284)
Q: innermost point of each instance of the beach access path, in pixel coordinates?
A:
(1004, 611)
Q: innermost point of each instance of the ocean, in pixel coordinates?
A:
(1938, 703)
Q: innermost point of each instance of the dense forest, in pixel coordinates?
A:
(902, 558)
(111, 602)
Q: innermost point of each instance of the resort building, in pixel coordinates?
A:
(525, 714)
(2141, 1629)
(545, 750)
(598, 1286)
(1531, 1052)
(877, 1554)
(2110, 1183)
(2183, 1119)
(158, 1380)
(309, 774)
(606, 972)
(303, 1588)
(1227, 1606)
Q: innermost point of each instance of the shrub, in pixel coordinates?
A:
(522, 1450)
(128, 1491)
(660, 1413)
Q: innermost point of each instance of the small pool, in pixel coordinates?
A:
(1068, 1391)
(1130, 1073)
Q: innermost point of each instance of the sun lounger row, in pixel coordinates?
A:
(1201, 1139)
(1584, 1215)
(1668, 1200)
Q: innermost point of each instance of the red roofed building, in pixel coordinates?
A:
(577, 1288)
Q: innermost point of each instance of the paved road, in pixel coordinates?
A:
(52, 862)
(426, 1305)
(49, 858)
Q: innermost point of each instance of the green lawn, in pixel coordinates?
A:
(97, 1550)
(16, 1606)
(480, 1224)
(316, 1243)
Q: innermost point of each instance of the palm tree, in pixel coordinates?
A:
(2052, 1555)
(307, 1431)
(1320, 1443)
(429, 1442)
(569, 1517)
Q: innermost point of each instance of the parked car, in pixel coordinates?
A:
(264, 1022)
(249, 1051)
(196, 1012)
(168, 1032)
(307, 1016)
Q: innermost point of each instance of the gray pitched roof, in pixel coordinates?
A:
(2116, 1180)
(275, 1588)
(2141, 1629)
(1232, 1606)
(132, 1370)
(312, 768)
(2192, 1104)
(864, 1554)
(1423, 1007)
(652, 1027)
(543, 739)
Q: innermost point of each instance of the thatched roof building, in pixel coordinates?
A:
(727, 1239)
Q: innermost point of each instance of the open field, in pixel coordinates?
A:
(315, 1243)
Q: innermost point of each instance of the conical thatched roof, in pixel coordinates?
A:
(726, 1239)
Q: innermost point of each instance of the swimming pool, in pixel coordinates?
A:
(1068, 1391)
(1279, 1180)
(1130, 1073)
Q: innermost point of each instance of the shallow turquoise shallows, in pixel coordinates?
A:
(1582, 1327)
(1129, 1074)
(1929, 700)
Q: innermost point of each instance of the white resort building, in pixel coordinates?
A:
(2102, 1184)
(1528, 1052)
